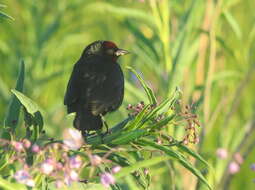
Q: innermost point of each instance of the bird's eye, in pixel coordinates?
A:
(110, 51)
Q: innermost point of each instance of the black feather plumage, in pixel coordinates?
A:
(96, 85)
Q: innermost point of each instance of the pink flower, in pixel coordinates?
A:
(59, 165)
(73, 139)
(146, 171)
(26, 143)
(233, 167)
(59, 184)
(17, 146)
(22, 176)
(48, 166)
(159, 141)
(70, 177)
(238, 158)
(30, 183)
(116, 169)
(35, 148)
(75, 162)
(107, 179)
(67, 180)
(129, 107)
(95, 160)
(222, 153)
(73, 175)
(197, 140)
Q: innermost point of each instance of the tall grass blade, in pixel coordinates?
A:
(12, 115)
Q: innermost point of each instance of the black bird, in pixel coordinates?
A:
(96, 85)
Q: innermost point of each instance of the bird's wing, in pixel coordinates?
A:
(110, 97)
(84, 79)
(73, 91)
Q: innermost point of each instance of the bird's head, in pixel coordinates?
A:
(107, 49)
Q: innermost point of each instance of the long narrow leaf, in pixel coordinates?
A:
(155, 111)
(12, 115)
(4, 15)
(145, 163)
(129, 136)
(134, 124)
(192, 153)
(180, 158)
(162, 122)
(10, 186)
(233, 23)
(147, 89)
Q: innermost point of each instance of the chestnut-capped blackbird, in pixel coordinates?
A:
(96, 85)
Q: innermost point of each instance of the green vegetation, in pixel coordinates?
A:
(194, 58)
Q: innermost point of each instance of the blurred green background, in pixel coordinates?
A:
(205, 47)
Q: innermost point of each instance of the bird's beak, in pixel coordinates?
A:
(120, 52)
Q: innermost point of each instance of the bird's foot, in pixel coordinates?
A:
(87, 134)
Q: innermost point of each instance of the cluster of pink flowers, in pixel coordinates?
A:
(24, 177)
(234, 165)
(135, 109)
(107, 178)
(55, 160)
(54, 163)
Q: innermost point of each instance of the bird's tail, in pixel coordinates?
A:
(86, 121)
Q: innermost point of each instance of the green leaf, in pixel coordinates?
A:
(12, 115)
(139, 35)
(233, 23)
(155, 111)
(147, 89)
(49, 31)
(4, 90)
(132, 182)
(39, 120)
(145, 163)
(31, 108)
(223, 43)
(120, 125)
(192, 153)
(163, 104)
(114, 132)
(6, 185)
(119, 159)
(29, 104)
(135, 123)
(129, 136)
(162, 122)
(179, 157)
(4, 15)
